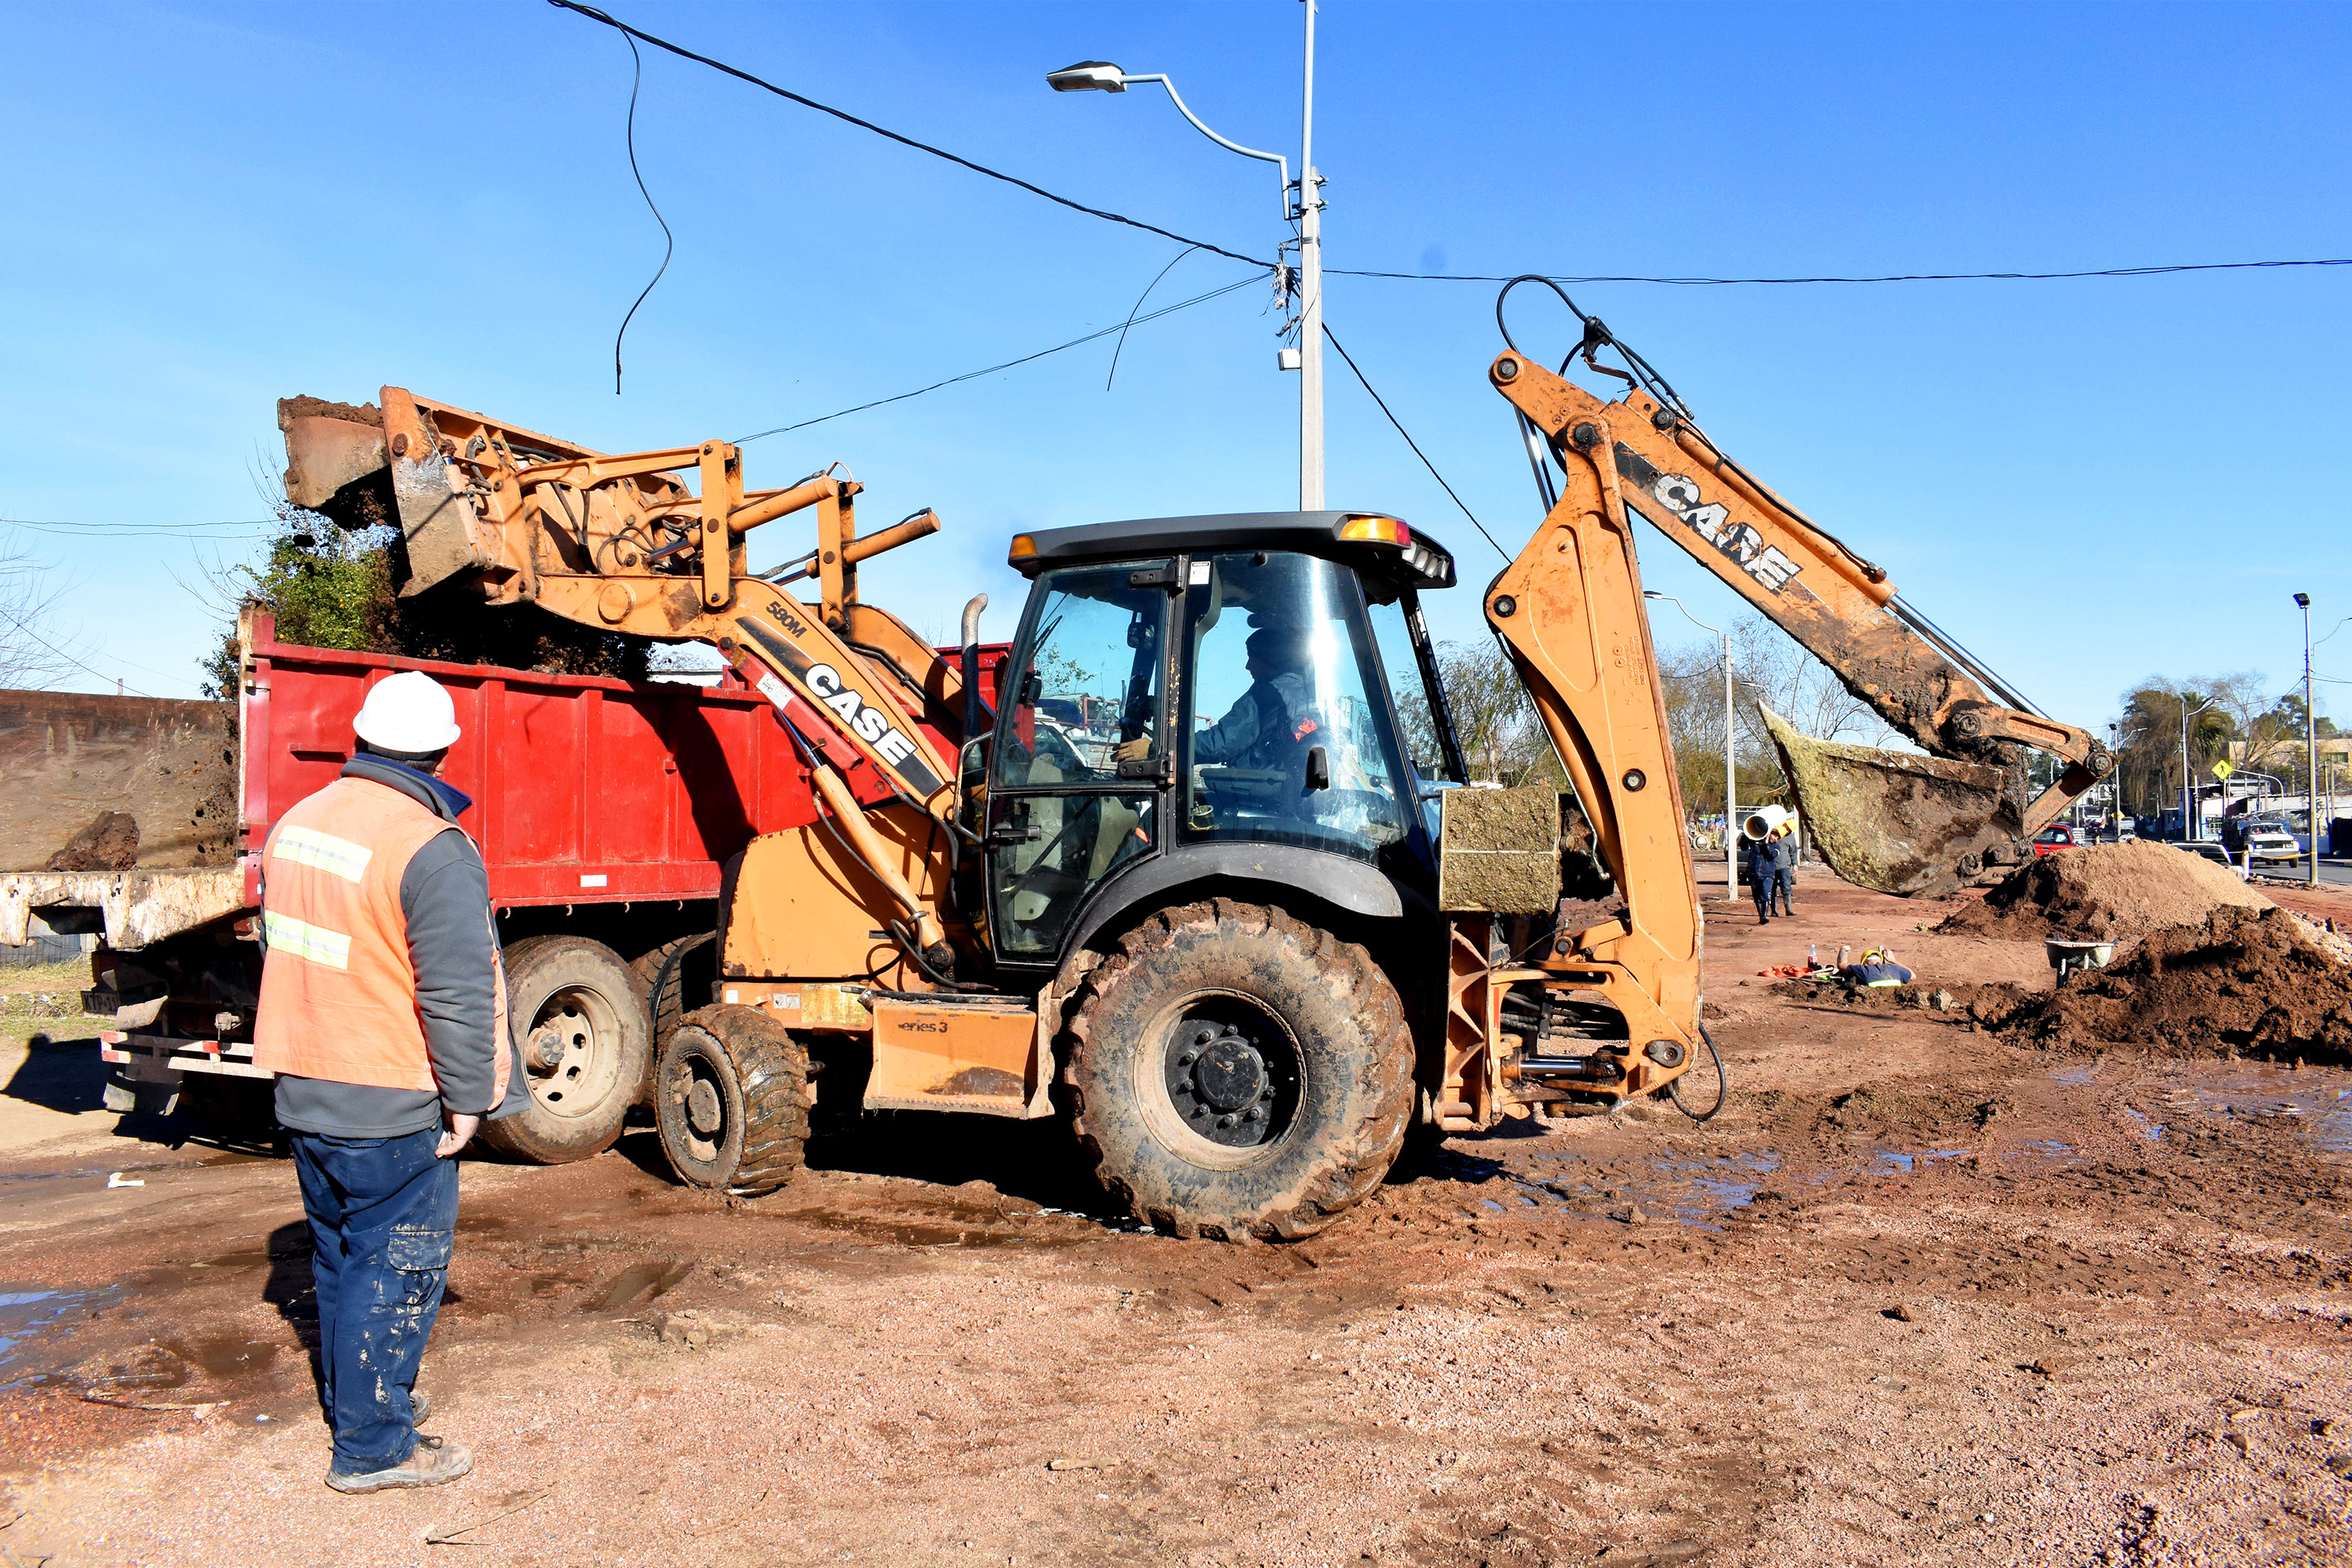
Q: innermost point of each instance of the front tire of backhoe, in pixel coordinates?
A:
(732, 1099)
(1235, 1072)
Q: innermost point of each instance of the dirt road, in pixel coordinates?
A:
(1918, 1296)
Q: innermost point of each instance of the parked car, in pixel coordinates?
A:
(2210, 851)
(2059, 836)
(2268, 841)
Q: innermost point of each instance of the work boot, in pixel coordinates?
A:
(432, 1461)
(420, 1406)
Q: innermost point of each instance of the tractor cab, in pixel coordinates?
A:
(1249, 697)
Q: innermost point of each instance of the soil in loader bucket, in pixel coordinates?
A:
(1893, 822)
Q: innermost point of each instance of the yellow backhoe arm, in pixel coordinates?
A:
(619, 544)
(1905, 825)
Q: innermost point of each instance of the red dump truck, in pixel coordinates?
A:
(606, 811)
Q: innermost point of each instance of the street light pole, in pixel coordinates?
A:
(2187, 779)
(1101, 76)
(2310, 742)
(2116, 749)
(1730, 750)
(1310, 294)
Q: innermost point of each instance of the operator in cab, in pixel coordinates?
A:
(383, 1014)
(1273, 715)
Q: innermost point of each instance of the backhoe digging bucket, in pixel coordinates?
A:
(1912, 826)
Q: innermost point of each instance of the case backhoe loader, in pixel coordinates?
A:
(1202, 876)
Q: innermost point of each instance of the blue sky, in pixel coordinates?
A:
(2087, 481)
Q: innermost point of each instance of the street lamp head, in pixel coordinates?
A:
(1088, 76)
(1652, 593)
(2303, 600)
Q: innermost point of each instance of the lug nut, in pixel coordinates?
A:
(1253, 1114)
(1225, 1121)
(1188, 1059)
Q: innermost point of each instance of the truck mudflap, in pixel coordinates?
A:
(134, 909)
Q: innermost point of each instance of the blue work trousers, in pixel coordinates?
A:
(383, 1220)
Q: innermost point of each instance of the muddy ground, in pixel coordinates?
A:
(1918, 1296)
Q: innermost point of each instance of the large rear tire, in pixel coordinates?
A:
(1238, 1073)
(732, 1099)
(581, 1028)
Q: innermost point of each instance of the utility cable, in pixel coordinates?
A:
(1889, 278)
(57, 651)
(593, 15)
(1412, 443)
(1008, 365)
(124, 530)
(1140, 299)
(669, 240)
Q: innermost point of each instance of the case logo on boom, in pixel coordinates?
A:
(1711, 521)
(861, 717)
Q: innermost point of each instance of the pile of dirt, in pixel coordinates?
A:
(2250, 981)
(2104, 892)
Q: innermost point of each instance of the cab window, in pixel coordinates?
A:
(1285, 734)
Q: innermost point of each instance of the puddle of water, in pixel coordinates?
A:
(2320, 1101)
(1693, 1192)
(2151, 1131)
(2077, 1075)
(31, 1319)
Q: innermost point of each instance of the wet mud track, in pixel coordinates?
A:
(1918, 1295)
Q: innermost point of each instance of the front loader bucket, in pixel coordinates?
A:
(1912, 826)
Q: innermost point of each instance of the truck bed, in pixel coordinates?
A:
(170, 766)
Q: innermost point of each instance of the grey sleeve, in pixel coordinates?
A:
(446, 896)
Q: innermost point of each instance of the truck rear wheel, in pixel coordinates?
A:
(1237, 1072)
(731, 1098)
(576, 1017)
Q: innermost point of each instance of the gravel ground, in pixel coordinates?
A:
(1918, 1296)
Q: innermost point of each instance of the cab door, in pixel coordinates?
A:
(1080, 751)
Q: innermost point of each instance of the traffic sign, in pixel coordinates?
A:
(2222, 770)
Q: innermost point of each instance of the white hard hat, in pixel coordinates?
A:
(408, 712)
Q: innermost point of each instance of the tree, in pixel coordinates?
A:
(31, 654)
(2151, 733)
(1494, 718)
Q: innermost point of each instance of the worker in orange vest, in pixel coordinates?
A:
(383, 1014)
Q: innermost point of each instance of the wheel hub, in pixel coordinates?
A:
(1224, 1081)
(547, 1047)
(703, 1110)
(1228, 1073)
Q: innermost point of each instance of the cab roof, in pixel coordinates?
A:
(1369, 541)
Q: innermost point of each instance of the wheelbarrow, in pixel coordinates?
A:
(2067, 957)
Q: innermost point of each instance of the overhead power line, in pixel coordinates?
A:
(1412, 443)
(669, 240)
(1008, 365)
(137, 529)
(593, 15)
(1889, 278)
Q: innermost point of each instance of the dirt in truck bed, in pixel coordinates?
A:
(1922, 1293)
(98, 784)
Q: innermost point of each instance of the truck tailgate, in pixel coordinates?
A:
(132, 908)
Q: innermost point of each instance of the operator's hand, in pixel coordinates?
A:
(1133, 751)
(458, 1133)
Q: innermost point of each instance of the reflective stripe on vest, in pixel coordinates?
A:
(338, 990)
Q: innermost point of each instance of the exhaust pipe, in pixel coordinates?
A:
(971, 703)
